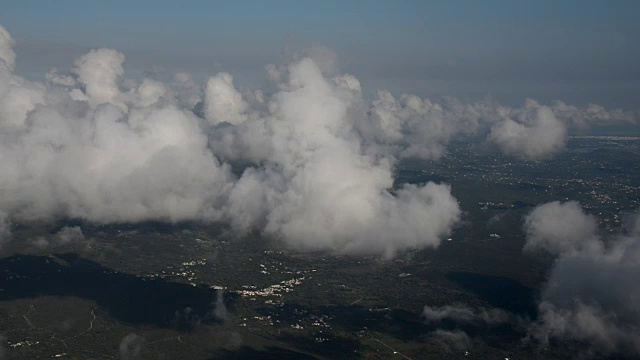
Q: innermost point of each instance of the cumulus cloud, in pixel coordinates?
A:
(91, 144)
(5, 229)
(561, 228)
(465, 315)
(592, 114)
(220, 309)
(411, 126)
(533, 133)
(55, 78)
(188, 91)
(99, 71)
(17, 98)
(112, 150)
(105, 165)
(450, 340)
(66, 236)
(222, 102)
(320, 190)
(591, 295)
(70, 234)
(7, 55)
(131, 346)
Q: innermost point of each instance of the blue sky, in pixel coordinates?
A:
(577, 51)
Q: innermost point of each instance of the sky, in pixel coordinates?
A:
(576, 51)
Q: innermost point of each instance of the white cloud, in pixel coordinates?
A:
(95, 145)
(222, 102)
(533, 132)
(561, 228)
(66, 236)
(7, 55)
(131, 346)
(100, 71)
(113, 150)
(464, 315)
(5, 229)
(591, 295)
(319, 190)
(220, 309)
(451, 340)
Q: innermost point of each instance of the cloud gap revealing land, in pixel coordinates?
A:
(164, 215)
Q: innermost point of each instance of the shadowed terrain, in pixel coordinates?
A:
(126, 297)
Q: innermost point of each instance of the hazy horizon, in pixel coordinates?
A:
(579, 52)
